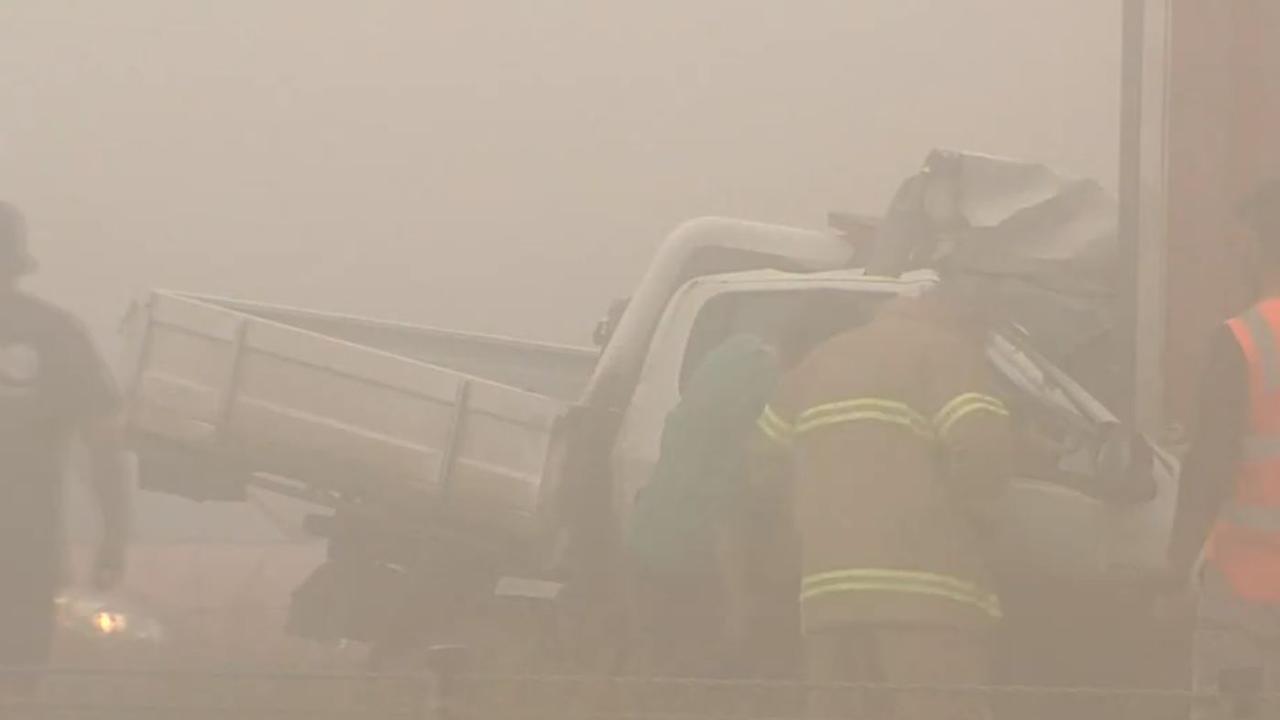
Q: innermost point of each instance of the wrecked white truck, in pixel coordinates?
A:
(472, 489)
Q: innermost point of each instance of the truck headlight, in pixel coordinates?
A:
(109, 623)
(94, 617)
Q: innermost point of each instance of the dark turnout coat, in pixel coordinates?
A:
(892, 430)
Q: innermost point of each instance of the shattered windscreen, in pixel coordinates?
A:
(1045, 242)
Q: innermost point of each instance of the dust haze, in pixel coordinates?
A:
(499, 166)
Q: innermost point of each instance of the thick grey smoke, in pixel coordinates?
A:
(499, 166)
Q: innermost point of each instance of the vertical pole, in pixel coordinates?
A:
(1151, 340)
(1131, 347)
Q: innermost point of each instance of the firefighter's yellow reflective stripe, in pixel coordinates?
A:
(903, 581)
(774, 420)
(964, 405)
(772, 432)
(990, 606)
(885, 411)
(860, 409)
(880, 573)
(863, 415)
(774, 427)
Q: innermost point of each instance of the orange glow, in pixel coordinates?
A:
(109, 623)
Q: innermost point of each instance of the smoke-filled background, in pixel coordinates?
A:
(502, 166)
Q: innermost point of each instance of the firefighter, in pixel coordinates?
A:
(892, 430)
(1230, 487)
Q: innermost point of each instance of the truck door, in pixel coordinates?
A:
(1090, 498)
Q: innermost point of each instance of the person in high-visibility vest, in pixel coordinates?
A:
(1229, 502)
(891, 430)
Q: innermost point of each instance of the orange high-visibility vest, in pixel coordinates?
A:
(1245, 544)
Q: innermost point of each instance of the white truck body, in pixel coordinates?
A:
(559, 371)
(278, 402)
(257, 398)
(425, 435)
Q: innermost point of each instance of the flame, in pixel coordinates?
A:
(109, 623)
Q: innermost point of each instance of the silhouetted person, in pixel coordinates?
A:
(54, 389)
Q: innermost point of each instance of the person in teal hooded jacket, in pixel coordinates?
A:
(677, 534)
(711, 545)
(701, 465)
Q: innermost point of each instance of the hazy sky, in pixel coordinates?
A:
(503, 166)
